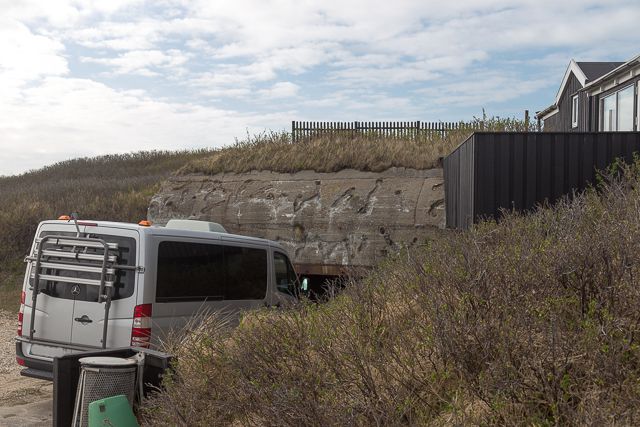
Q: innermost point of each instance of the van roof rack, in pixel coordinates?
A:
(54, 252)
(194, 225)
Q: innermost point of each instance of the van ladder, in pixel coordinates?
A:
(100, 263)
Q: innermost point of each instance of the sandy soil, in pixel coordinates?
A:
(23, 401)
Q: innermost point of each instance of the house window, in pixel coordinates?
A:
(609, 113)
(574, 112)
(617, 111)
(625, 109)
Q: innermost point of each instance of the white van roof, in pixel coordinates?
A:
(189, 224)
(189, 230)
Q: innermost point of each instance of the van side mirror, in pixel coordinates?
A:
(304, 285)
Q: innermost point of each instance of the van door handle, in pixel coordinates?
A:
(84, 319)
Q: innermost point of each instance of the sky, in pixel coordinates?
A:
(83, 78)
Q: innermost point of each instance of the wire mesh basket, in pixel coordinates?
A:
(102, 377)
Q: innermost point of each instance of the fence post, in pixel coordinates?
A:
(293, 131)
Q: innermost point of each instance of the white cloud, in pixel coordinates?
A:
(142, 62)
(280, 90)
(140, 34)
(59, 13)
(483, 87)
(66, 117)
(95, 76)
(62, 13)
(27, 56)
(405, 72)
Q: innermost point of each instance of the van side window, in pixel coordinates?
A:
(246, 273)
(189, 272)
(286, 278)
(199, 271)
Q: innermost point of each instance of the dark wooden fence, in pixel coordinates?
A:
(492, 171)
(404, 130)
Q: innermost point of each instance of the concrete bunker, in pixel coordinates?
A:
(332, 224)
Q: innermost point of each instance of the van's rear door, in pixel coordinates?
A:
(69, 312)
(88, 316)
(52, 320)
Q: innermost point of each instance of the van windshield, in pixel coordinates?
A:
(124, 280)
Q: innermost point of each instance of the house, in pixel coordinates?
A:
(595, 97)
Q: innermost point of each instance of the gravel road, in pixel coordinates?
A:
(23, 401)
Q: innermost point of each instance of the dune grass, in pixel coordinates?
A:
(113, 187)
(532, 321)
(275, 151)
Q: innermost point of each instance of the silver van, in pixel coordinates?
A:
(96, 284)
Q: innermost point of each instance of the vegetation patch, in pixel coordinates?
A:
(532, 321)
(113, 188)
(276, 152)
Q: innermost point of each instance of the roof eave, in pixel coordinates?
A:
(613, 72)
(575, 69)
(549, 111)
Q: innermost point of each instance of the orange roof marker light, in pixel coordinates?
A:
(64, 218)
(145, 223)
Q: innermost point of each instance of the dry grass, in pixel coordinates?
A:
(533, 321)
(276, 152)
(11, 277)
(114, 187)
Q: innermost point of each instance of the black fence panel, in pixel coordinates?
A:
(459, 185)
(493, 171)
(400, 130)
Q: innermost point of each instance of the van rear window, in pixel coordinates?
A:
(124, 282)
(199, 272)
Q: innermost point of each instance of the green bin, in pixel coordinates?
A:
(112, 412)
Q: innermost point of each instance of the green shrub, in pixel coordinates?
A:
(532, 321)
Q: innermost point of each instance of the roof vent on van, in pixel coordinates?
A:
(193, 225)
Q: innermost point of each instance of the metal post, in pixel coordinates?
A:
(293, 131)
(36, 287)
(107, 304)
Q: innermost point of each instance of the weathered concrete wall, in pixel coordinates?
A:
(343, 218)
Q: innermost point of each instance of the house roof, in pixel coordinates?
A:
(586, 73)
(620, 68)
(547, 112)
(594, 70)
(574, 69)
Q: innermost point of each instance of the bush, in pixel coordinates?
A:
(534, 320)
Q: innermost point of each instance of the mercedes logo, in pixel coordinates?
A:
(75, 290)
